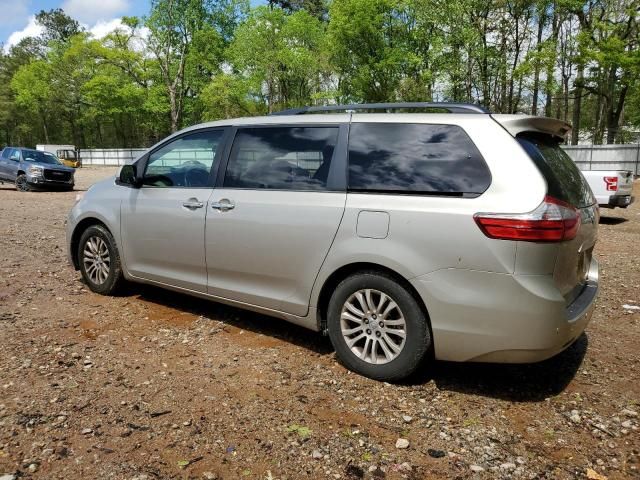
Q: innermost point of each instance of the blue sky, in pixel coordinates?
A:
(98, 16)
(16, 16)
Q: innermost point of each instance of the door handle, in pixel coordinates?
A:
(193, 204)
(223, 205)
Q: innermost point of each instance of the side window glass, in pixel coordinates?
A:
(281, 158)
(5, 153)
(185, 162)
(415, 158)
(15, 154)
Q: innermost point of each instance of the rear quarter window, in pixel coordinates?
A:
(415, 159)
(564, 179)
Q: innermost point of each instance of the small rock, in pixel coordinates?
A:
(476, 468)
(33, 468)
(626, 424)
(402, 443)
(316, 454)
(436, 453)
(8, 476)
(629, 413)
(575, 416)
(508, 466)
(407, 418)
(86, 431)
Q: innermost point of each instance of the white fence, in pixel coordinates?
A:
(587, 157)
(109, 156)
(606, 157)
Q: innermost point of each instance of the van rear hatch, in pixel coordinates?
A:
(566, 183)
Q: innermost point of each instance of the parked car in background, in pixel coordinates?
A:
(28, 168)
(67, 154)
(460, 235)
(612, 188)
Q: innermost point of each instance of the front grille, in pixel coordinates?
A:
(57, 176)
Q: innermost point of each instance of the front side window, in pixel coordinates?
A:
(281, 158)
(5, 153)
(185, 162)
(415, 158)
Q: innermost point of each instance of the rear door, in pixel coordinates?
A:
(565, 182)
(274, 217)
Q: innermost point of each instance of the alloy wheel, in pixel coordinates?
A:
(96, 259)
(373, 326)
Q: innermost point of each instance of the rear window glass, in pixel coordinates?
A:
(415, 158)
(564, 180)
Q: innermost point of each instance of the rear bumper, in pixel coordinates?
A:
(492, 317)
(622, 201)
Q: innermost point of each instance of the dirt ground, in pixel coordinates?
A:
(153, 385)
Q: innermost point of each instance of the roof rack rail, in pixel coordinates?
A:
(450, 107)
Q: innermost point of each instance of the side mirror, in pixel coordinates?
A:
(128, 176)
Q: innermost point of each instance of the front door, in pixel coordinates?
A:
(163, 221)
(270, 226)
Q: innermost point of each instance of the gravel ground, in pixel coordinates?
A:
(154, 385)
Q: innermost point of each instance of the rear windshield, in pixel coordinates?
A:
(564, 180)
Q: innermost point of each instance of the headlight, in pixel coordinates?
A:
(35, 170)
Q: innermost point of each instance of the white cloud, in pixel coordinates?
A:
(31, 30)
(104, 28)
(92, 11)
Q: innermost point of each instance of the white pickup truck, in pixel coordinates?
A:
(612, 188)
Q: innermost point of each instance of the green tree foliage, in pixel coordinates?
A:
(195, 60)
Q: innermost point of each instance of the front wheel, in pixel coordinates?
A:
(377, 327)
(99, 260)
(21, 183)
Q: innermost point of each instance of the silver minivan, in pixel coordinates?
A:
(404, 231)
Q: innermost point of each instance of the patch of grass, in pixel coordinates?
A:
(301, 430)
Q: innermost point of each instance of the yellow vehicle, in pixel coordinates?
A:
(67, 154)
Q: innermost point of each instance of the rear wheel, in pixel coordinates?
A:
(99, 260)
(377, 327)
(21, 183)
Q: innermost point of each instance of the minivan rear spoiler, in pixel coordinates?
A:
(516, 124)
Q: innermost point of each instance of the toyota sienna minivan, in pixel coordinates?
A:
(400, 230)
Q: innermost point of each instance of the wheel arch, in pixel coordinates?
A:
(347, 270)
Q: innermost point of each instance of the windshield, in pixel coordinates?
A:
(564, 180)
(40, 157)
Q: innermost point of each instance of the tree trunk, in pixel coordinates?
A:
(577, 105)
(175, 114)
(549, 81)
(536, 74)
(614, 114)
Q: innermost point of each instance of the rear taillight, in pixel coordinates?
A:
(553, 221)
(611, 183)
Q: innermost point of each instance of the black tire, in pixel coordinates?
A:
(417, 341)
(114, 279)
(21, 183)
